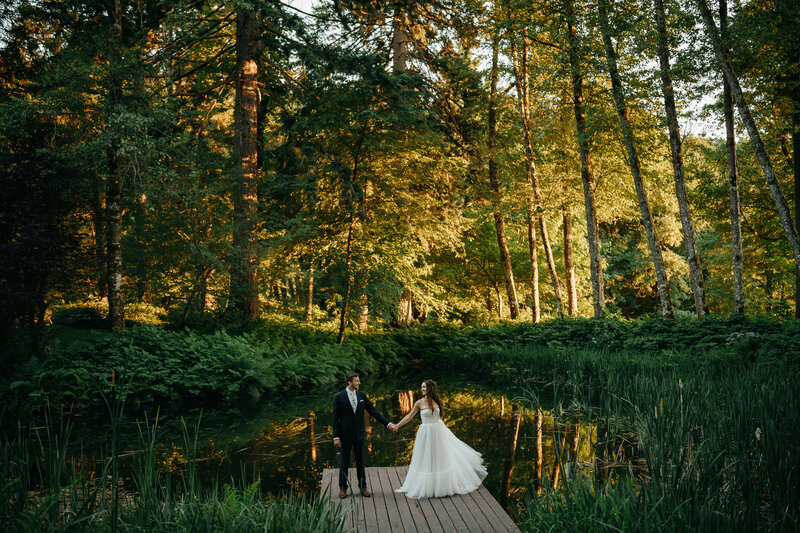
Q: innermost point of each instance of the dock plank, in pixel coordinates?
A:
(393, 512)
(487, 521)
(467, 514)
(431, 518)
(413, 520)
(490, 504)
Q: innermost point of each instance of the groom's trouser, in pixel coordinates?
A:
(357, 446)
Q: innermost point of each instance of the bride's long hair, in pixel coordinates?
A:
(433, 395)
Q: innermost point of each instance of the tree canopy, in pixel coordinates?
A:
(390, 162)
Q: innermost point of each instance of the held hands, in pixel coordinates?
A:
(392, 426)
(337, 443)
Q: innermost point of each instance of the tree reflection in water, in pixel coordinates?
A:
(289, 444)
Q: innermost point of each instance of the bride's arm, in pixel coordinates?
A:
(409, 416)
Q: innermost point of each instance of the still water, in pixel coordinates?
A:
(287, 440)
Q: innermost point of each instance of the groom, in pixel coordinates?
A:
(349, 433)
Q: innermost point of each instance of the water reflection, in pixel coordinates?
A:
(288, 443)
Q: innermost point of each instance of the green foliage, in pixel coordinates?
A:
(246, 359)
(478, 349)
(152, 364)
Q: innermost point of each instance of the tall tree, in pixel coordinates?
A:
(244, 274)
(573, 47)
(116, 298)
(733, 177)
(494, 182)
(689, 245)
(569, 264)
(520, 67)
(788, 225)
(635, 166)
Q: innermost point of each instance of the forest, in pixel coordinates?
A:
(589, 207)
(388, 162)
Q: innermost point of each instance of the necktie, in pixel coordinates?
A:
(352, 395)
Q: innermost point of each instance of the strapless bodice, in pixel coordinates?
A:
(429, 416)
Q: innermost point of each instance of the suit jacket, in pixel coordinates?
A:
(348, 425)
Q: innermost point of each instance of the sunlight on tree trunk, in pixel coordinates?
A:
(690, 247)
(310, 295)
(534, 200)
(569, 264)
(244, 274)
(505, 257)
(654, 243)
(598, 293)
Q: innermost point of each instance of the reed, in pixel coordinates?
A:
(719, 437)
(45, 488)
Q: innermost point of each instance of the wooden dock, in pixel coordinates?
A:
(392, 512)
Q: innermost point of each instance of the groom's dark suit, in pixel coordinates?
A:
(348, 427)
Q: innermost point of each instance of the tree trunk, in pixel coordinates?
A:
(508, 467)
(598, 293)
(569, 265)
(206, 300)
(98, 225)
(399, 39)
(499, 224)
(778, 200)
(310, 295)
(499, 301)
(551, 264)
(116, 302)
(530, 169)
(291, 287)
(363, 301)
(733, 180)
(536, 307)
(690, 247)
(244, 272)
(538, 422)
(635, 166)
(404, 308)
(348, 280)
(363, 317)
(534, 200)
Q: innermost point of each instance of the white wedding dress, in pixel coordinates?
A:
(441, 465)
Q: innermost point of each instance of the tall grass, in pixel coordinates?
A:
(720, 437)
(43, 489)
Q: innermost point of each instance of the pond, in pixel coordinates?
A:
(287, 440)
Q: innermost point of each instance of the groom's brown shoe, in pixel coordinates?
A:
(342, 494)
(365, 493)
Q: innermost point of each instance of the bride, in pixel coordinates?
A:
(441, 465)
